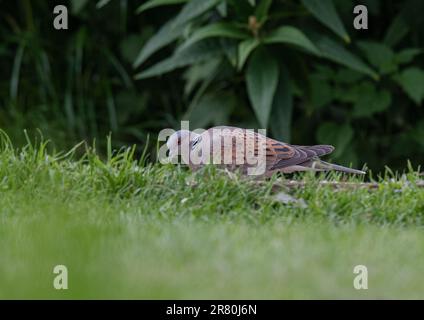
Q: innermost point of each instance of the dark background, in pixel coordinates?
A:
(362, 93)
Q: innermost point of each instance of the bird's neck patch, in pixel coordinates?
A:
(195, 142)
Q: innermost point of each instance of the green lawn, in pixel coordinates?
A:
(127, 230)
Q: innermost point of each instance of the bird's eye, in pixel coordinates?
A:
(179, 141)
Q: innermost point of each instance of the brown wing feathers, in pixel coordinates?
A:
(280, 155)
(319, 150)
(296, 156)
(300, 154)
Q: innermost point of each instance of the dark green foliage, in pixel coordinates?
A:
(298, 68)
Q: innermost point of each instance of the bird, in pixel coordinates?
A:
(247, 151)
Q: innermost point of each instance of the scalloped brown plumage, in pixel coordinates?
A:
(236, 149)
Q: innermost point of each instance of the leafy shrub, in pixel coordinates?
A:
(298, 68)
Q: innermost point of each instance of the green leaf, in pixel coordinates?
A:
(198, 52)
(397, 30)
(156, 3)
(347, 76)
(212, 109)
(407, 55)
(230, 49)
(337, 53)
(411, 81)
(371, 102)
(198, 73)
(192, 10)
(222, 8)
(262, 80)
(326, 13)
(379, 55)
(352, 93)
(261, 11)
(291, 35)
(219, 29)
(338, 135)
(355, 92)
(101, 3)
(174, 28)
(167, 34)
(282, 108)
(245, 48)
(16, 70)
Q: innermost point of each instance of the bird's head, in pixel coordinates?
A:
(179, 141)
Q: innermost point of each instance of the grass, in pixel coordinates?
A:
(126, 229)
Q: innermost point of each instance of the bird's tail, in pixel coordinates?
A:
(320, 165)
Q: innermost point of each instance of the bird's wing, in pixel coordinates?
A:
(278, 154)
(317, 150)
(302, 154)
